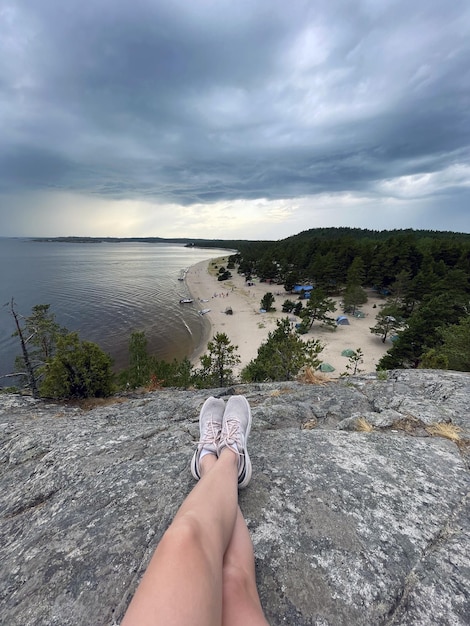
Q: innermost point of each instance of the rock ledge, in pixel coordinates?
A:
(349, 527)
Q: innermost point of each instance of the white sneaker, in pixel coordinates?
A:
(210, 427)
(236, 425)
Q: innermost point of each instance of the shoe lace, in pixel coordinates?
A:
(211, 434)
(231, 434)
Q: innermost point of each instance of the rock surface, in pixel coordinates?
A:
(353, 528)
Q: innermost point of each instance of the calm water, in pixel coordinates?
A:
(104, 291)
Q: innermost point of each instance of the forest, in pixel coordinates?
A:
(423, 276)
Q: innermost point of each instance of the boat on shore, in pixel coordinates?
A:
(204, 311)
(183, 273)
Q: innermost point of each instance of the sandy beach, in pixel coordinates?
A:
(247, 327)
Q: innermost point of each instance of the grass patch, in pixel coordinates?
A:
(446, 430)
(363, 426)
(312, 377)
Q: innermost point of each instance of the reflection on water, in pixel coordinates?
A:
(104, 291)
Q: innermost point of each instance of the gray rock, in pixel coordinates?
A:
(348, 527)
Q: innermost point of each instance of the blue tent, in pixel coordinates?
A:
(343, 320)
(301, 288)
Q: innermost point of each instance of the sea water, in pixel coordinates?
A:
(105, 291)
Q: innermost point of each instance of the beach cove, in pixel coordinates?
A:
(248, 328)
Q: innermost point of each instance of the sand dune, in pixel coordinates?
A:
(247, 327)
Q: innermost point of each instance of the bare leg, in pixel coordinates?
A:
(241, 603)
(182, 585)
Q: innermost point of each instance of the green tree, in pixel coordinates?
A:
(225, 275)
(388, 321)
(171, 374)
(456, 345)
(138, 372)
(29, 373)
(282, 355)
(43, 331)
(353, 296)
(406, 292)
(290, 281)
(217, 365)
(267, 302)
(79, 369)
(354, 361)
(266, 268)
(288, 306)
(324, 269)
(434, 360)
(182, 374)
(38, 334)
(356, 272)
(423, 331)
(317, 308)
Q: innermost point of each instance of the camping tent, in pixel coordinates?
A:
(359, 314)
(343, 320)
(326, 367)
(347, 352)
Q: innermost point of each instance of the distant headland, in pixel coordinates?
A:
(186, 241)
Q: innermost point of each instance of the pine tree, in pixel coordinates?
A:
(282, 355)
(38, 334)
(267, 302)
(217, 365)
(317, 308)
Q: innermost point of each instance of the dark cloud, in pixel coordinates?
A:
(196, 101)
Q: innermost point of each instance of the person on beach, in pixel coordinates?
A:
(203, 571)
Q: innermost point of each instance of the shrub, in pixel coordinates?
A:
(79, 369)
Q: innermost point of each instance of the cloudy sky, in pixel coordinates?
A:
(233, 118)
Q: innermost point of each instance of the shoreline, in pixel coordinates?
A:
(247, 328)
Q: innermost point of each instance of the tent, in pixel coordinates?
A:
(343, 320)
(301, 288)
(359, 314)
(348, 352)
(326, 367)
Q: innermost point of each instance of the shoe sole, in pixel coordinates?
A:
(245, 478)
(194, 471)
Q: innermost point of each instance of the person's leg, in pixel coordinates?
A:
(183, 582)
(203, 569)
(241, 604)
